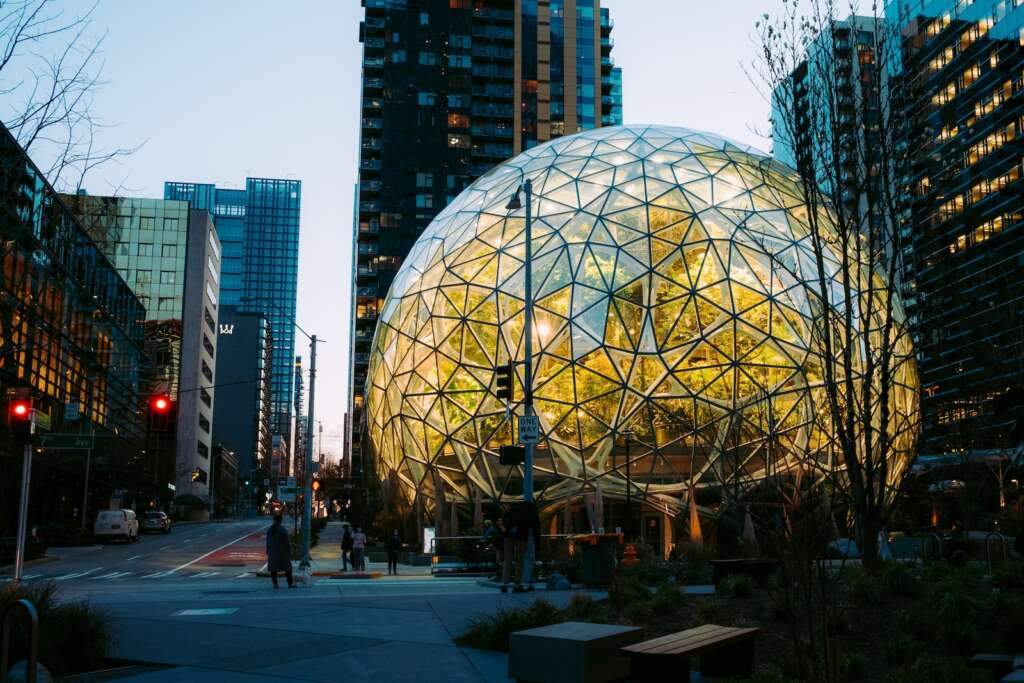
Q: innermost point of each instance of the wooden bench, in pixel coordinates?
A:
(723, 650)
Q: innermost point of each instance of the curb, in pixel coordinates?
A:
(39, 560)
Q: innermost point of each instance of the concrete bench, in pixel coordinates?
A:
(571, 652)
(724, 651)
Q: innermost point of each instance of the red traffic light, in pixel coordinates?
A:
(160, 404)
(21, 410)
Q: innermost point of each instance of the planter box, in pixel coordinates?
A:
(571, 652)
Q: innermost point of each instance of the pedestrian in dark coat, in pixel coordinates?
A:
(279, 552)
(346, 548)
(394, 545)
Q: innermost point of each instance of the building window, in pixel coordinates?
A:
(456, 120)
(203, 450)
(424, 180)
(424, 201)
(214, 246)
(170, 225)
(165, 304)
(460, 61)
(147, 223)
(145, 249)
(464, 42)
(426, 99)
(207, 372)
(428, 58)
(210, 322)
(458, 141)
(212, 268)
(424, 19)
(398, 56)
(167, 277)
(210, 295)
(205, 397)
(169, 250)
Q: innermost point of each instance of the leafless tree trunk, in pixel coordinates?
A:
(835, 107)
(50, 72)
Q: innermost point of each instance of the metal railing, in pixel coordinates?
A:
(33, 640)
(469, 553)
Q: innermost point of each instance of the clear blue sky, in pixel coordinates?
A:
(221, 90)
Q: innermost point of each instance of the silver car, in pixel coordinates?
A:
(156, 521)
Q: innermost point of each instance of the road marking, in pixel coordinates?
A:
(78, 575)
(133, 557)
(154, 575)
(165, 547)
(27, 577)
(201, 575)
(110, 575)
(203, 535)
(242, 576)
(204, 612)
(203, 557)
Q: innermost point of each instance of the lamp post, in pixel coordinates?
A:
(628, 435)
(514, 205)
(307, 505)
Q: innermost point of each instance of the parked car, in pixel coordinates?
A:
(156, 521)
(111, 524)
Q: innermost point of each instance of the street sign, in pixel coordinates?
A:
(64, 441)
(41, 420)
(72, 412)
(529, 429)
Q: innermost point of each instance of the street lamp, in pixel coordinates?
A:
(627, 437)
(514, 204)
(308, 483)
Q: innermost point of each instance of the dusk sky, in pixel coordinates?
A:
(222, 90)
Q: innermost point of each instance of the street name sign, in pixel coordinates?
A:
(64, 441)
(529, 429)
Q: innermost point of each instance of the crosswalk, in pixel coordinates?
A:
(102, 574)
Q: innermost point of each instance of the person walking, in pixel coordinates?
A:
(346, 549)
(359, 550)
(492, 537)
(279, 552)
(394, 545)
(517, 530)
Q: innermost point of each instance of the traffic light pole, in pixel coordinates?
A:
(307, 503)
(26, 479)
(528, 347)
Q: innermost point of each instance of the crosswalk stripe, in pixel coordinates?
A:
(201, 575)
(111, 575)
(243, 575)
(154, 575)
(78, 575)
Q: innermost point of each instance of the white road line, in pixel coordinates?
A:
(242, 576)
(154, 575)
(109, 575)
(203, 535)
(202, 575)
(26, 577)
(133, 557)
(203, 557)
(164, 547)
(78, 575)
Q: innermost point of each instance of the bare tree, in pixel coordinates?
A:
(50, 72)
(836, 108)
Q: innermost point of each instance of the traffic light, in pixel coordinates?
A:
(160, 404)
(504, 378)
(511, 455)
(316, 484)
(19, 419)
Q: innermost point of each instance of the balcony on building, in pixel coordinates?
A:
(373, 123)
(373, 83)
(372, 103)
(369, 227)
(369, 207)
(369, 165)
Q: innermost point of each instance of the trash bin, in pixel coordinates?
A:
(598, 552)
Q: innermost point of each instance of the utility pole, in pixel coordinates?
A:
(307, 503)
(26, 479)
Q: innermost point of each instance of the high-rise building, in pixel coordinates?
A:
(70, 334)
(961, 80)
(450, 89)
(171, 257)
(242, 418)
(260, 226)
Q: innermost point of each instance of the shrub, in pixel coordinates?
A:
(669, 598)
(852, 665)
(736, 586)
(73, 637)
(933, 669)
(582, 607)
(625, 590)
(708, 611)
(68, 533)
(493, 632)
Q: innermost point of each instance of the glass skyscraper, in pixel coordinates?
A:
(450, 89)
(259, 231)
(961, 83)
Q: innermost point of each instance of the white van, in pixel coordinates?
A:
(111, 524)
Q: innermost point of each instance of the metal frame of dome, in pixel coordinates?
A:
(676, 297)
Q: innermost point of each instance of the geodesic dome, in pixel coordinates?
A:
(675, 294)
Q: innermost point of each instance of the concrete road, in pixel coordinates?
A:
(190, 552)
